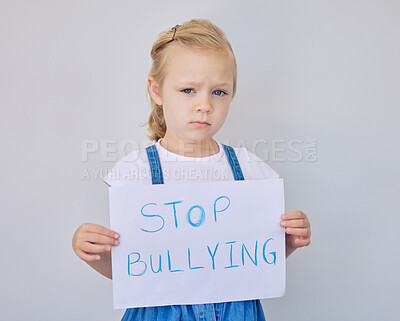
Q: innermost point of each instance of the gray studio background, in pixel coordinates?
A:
(314, 78)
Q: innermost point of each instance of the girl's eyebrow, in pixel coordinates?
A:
(194, 83)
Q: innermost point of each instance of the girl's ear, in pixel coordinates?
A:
(154, 90)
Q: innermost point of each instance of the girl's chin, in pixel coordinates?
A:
(193, 135)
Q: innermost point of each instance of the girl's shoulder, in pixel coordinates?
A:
(253, 167)
(133, 168)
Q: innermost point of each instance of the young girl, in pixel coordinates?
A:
(191, 84)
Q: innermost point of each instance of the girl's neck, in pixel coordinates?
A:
(203, 148)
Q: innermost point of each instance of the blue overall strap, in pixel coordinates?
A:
(237, 172)
(155, 166)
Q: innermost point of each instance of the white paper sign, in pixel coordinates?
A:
(195, 243)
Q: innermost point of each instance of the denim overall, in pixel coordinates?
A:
(250, 310)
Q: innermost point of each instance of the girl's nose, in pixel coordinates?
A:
(205, 105)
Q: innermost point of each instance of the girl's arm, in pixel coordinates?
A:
(298, 230)
(92, 243)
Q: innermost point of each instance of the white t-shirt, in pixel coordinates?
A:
(134, 168)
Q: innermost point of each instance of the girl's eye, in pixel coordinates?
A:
(220, 92)
(185, 90)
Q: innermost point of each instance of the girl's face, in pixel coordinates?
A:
(196, 94)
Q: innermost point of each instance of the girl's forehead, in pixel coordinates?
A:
(190, 64)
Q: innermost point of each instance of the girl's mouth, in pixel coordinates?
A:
(200, 124)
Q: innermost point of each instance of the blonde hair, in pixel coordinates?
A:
(196, 34)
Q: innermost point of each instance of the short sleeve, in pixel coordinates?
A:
(130, 169)
(111, 178)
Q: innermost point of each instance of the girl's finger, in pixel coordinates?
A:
(94, 248)
(100, 239)
(87, 257)
(295, 223)
(302, 242)
(293, 215)
(298, 231)
(95, 228)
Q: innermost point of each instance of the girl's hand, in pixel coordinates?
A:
(91, 240)
(298, 230)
